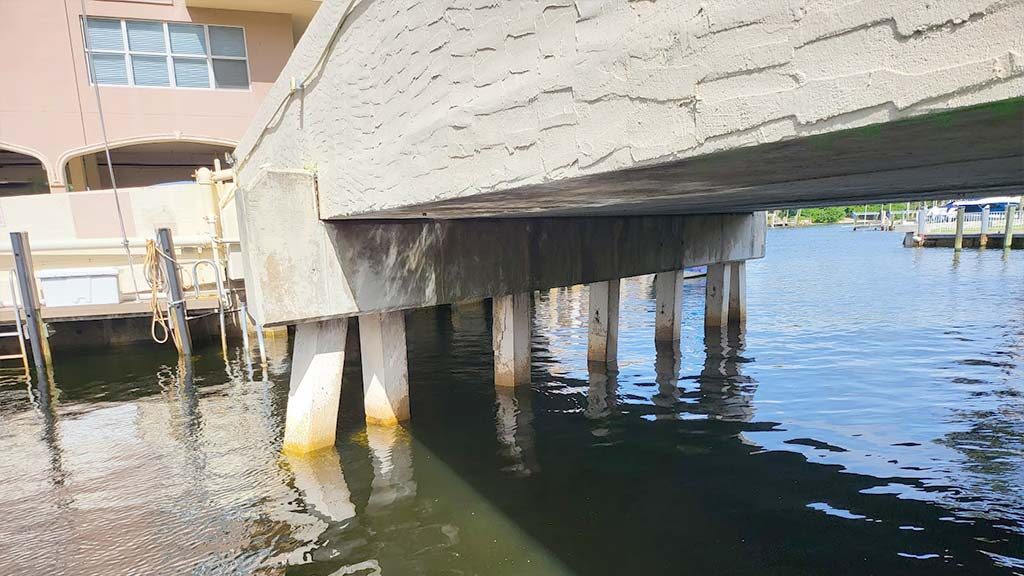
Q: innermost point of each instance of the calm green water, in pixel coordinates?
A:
(869, 421)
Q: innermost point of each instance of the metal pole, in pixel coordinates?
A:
(175, 297)
(958, 241)
(30, 301)
(243, 322)
(261, 343)
(17, 322)
(1008, 233)
(983, 236)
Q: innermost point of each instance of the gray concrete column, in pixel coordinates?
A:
(716, 295)
(603, 341)
(314, 390)
(511, 339)
(738, 293)
(385, 368)
(668, 293)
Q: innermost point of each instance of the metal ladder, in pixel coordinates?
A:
(19, 330)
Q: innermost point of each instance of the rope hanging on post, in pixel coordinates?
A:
(157, 279)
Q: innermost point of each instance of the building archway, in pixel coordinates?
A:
(140, 163)
(22, 172)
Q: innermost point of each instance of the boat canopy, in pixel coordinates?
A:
(995, 203)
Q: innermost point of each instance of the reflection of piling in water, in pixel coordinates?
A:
(320, 479)
(46, 402)
(725, 394)
(666, 370)
(391, 455)
(321, 484)
(601, 394)
(514, 421)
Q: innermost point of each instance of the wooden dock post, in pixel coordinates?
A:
(1008, 232)
(175, 297)
(30, 300)
(958, 241)
(983, 236)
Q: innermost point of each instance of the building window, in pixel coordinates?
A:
(166, 54)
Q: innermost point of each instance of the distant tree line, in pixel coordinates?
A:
(829, 215)
(833, 214)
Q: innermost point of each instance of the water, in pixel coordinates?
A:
(869, 421)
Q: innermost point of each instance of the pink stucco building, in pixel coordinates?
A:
(178, 81)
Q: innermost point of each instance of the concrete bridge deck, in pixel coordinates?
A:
(421, 153)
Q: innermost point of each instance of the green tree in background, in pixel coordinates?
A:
(827, 215)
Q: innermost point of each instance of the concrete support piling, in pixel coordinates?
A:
(314, 390)
(602, 347)
(958, 241)
(1008, 231)
(30, 301)
(716, 295)
(175, 295)
(385, 368)
(738, 294)
(668, 293)
(511, 339)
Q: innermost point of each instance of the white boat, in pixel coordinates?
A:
(695, 272)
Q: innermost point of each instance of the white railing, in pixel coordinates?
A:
(973, 222)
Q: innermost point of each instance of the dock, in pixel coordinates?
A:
(123, 310)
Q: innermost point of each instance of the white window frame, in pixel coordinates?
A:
(127, 52)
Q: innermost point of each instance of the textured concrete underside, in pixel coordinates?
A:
(964, 152)
(486, 107)
(300, 268)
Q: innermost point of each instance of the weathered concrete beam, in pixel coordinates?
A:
(300, 268)
(385, 368)
(511, 339)
(603, 334)
(314, 390)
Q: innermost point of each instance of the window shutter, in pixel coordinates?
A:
(187, 39)
(146, 36)
(227, 41)
(104, 34)
(191, 73)
(230, 73)
(108, 69)
(150, 70)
